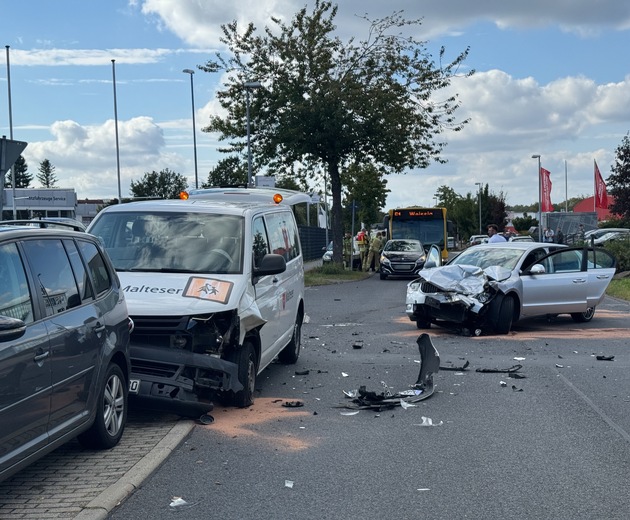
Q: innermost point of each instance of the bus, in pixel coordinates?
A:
(429, 225)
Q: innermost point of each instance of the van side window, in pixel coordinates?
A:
(282, 233)
(15, 297)
(260, 245)
(54, 275)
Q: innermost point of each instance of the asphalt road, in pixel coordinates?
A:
(552, 445)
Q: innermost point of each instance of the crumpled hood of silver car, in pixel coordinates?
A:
(464, 279)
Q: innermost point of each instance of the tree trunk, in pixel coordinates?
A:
(337, 221)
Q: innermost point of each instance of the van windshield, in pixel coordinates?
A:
(172, 242)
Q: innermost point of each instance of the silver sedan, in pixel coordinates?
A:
(491, 286)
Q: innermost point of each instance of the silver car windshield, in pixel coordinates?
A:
(172, 242)
(486, 257)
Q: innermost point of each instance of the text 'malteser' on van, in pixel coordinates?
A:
(215, 289)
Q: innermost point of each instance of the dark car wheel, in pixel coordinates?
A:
(505, 316)
(289, 354)
(111, 413)
(583, 317)
(423, 324)
(245, 358)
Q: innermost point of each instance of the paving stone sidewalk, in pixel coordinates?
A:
(76, 483)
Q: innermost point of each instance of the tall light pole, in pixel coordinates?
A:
(248, 86)
(536, 156)
(10, 135)
(192, 97)
(116, 127)
(479, 203)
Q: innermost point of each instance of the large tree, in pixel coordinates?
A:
(230, 171)
(619, 180)
(367, 188)
(46, 175)
(23, 179)
(165, 184)
(328, 104)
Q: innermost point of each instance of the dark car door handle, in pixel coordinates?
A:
(41, 357)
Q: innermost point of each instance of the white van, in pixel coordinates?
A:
(215, 290)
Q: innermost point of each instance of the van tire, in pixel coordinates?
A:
(289, 354)
(245, 358)
(111, 412)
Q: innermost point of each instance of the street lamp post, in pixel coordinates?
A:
(248, 86)
(479, 203)
(536, 156)
(192, 97)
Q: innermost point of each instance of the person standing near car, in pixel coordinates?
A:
(549, 235)
(559, 236)
(363, 243)
(493, 233)
(374, 253)
(347, 251)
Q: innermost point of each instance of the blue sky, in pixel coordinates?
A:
(552, 79)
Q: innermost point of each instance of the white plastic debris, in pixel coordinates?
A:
(178, 502)
(427, 421)
(344, 374)
(502, 383)
(288, 483)
(351, 393)
(405, 405)
(519, 358)
(350, 413)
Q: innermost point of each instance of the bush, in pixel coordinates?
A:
(621, 250)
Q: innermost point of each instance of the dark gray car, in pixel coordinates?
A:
(64, 340)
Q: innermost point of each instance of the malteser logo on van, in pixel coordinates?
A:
(208, 289)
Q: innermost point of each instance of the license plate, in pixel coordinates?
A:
(432, 302)
(134, 386)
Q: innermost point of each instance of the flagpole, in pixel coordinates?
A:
(566, 188)
(537, 156)
(594, 187)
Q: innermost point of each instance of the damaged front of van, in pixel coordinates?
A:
(201, 322)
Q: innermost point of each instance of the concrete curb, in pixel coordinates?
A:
(102, 505)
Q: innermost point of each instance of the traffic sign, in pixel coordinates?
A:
(9, 152)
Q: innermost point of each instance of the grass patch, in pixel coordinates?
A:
(331, 273)
(619, 288)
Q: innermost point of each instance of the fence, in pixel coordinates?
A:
(313, 241)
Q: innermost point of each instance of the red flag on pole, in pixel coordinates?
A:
(601, 196)
(545, 182)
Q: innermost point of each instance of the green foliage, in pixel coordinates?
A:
(164, 185)
(464, 211)
(621, 250)
(365, 185)
(327, 104)
(332, 273)
(23, 179)
(619, 288)
(230, 171)
(46, 175)
(618, 182)
(522, 224)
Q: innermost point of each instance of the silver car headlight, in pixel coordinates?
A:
(421, 260)
(414, 286)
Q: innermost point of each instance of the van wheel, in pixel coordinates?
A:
(111, 412)
(289, 354)
(245, 358)
(583, 317)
